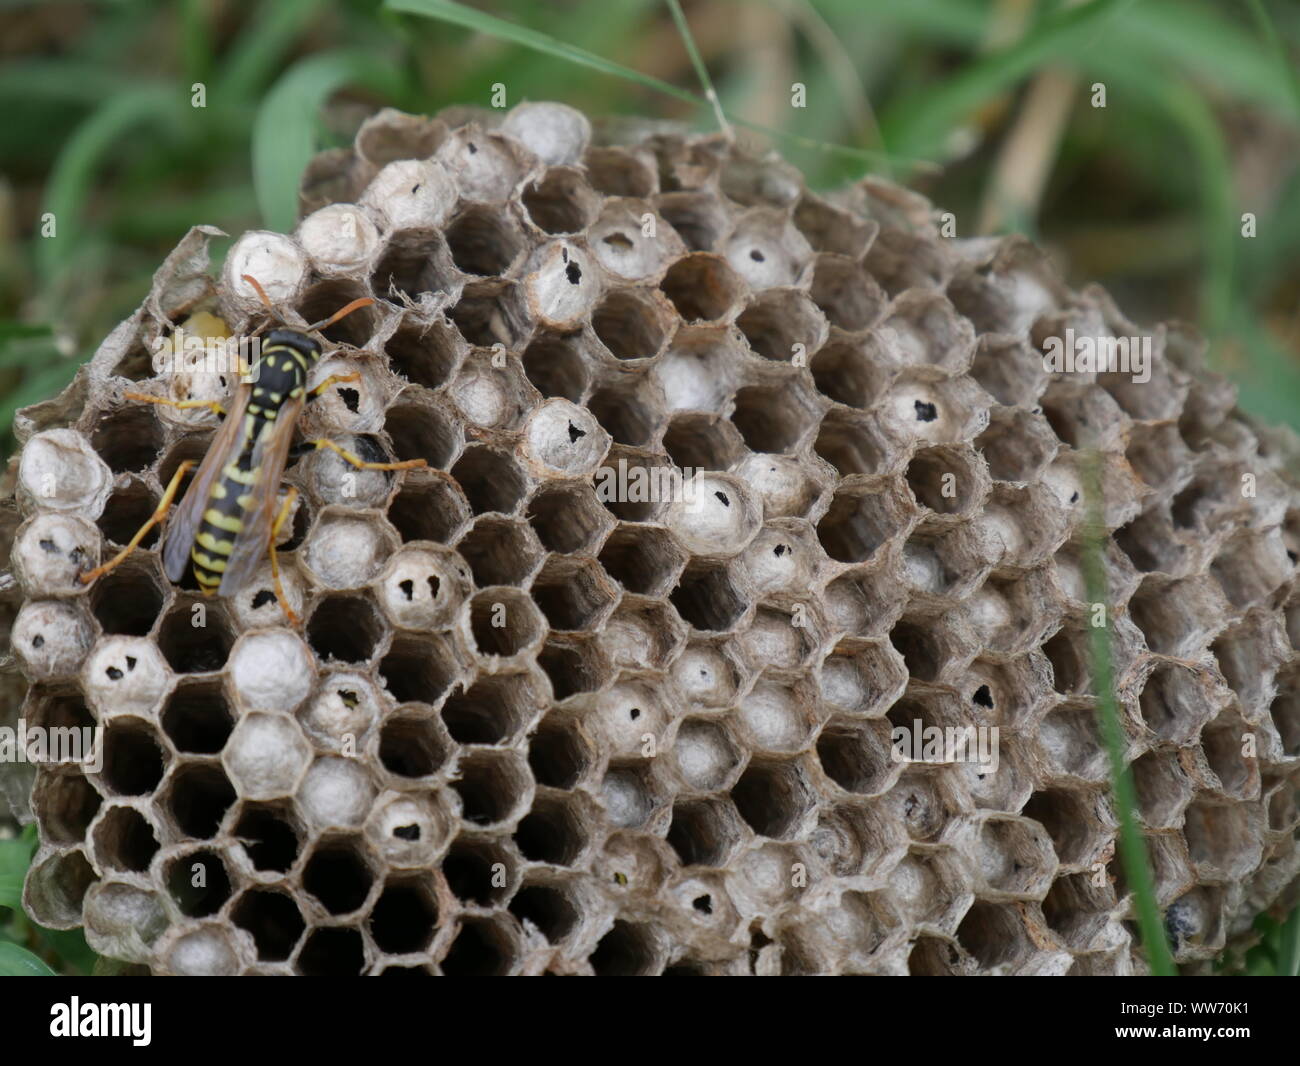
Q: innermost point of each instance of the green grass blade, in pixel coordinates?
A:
(918, 125)
(261, 47)
(1132, 846)
(74, 171)
(481, 22)
(1288, 962)
(19, 962)
(697, 61)
(284, 133)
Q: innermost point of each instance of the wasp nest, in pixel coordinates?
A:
(727, 482)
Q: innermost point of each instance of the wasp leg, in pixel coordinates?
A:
(285, 509)
(160, 512)
(361, 464)
(333, 379)
(180, 405)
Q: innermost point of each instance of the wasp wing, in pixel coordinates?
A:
(185, 522)
(270, 454)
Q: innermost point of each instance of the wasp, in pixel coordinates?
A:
(228, 519)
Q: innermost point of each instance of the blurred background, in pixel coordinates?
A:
(988, 106)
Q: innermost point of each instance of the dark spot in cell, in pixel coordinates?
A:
(114, 674)
(38, 641)
(408, 588)
(415, 188)
(351, 399)
(983, 696)
(434, 584)
(473, 148)
(262, 598)
(573, 273)
(779, 550)
(634, 713)
(349, 698)
(703, 904)
(723, 497)
(575, 434)
(925, 412)
(1074, 497)
(130, 662)
(47, 545)
(407, 832)
(756, 255)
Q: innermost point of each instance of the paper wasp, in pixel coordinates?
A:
(228, 517)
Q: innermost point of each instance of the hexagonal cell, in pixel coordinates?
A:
(573, 665)
(190, 648)
(65, 804)
(1014, 856)
(783, 325)
(774, 797)
(418, 669)
(493, 786)
(412, 744)
(197, 883)
(1194, 922)
(424, 353)
(863, 518)
(345, 629)
(642, 634)
(428, 507)
(923, 329)
(484, 241)
(851, 370)
(552, 832)
(126, 511)
(404, 917)
(1009, 370)
(862, 678)
(627, 409)
(857, 755)
(490, 479)
(642, 559)
(472, 869)
(197, 718)
(338, 875)
(559, 754)
(556, 364)
(420, 430)
(561, 201)
(484, 947)
(632, 323)
(266, 755)
(504, 622)
(492, 311)
(844, 292)
(704, 832)
(416, 269)
(772, 419)
(781, 639)
(550, 908)
(707, 598)
(1175, 702)
(1223, 839)
(493, 710)
(128, 600)
(702, 287)
(198, 795)
(1251, 567)
(705, 754)
(332, 952)
(902, 260)
(124, 840)
(766, 250)
(133, 758)
(272, 919)
(567, 518)
(268, 835)
(702, 442)
(699, 217)
(1070, 738)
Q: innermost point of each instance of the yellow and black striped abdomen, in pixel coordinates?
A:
(224, 514)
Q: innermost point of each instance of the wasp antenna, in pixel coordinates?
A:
(261, 292)
(342, 312)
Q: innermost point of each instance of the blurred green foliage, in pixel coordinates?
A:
(1145, 195)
